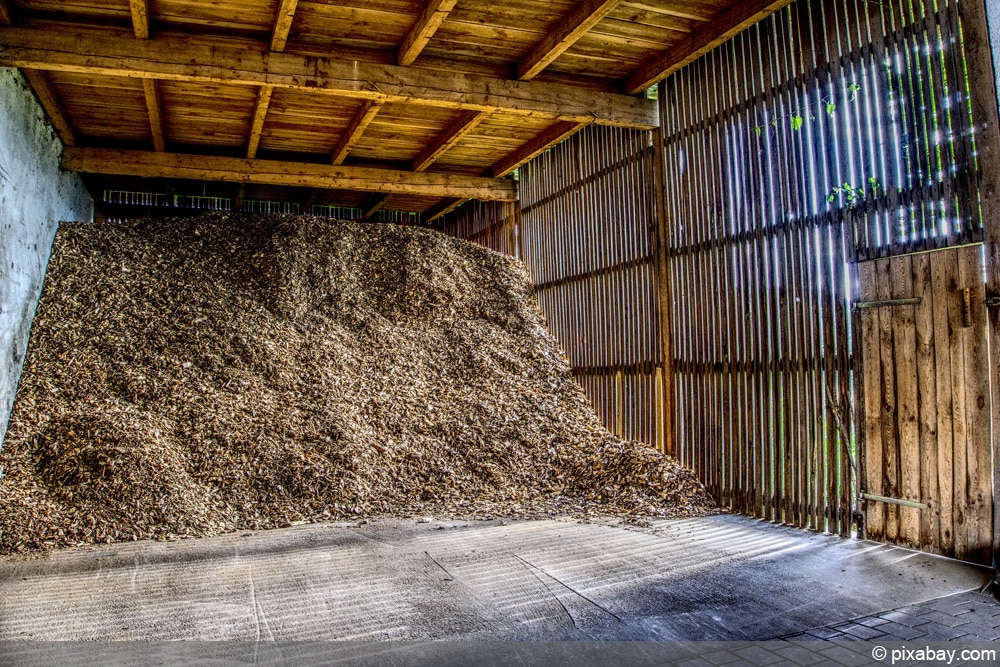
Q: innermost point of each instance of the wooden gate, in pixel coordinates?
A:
(924, 402)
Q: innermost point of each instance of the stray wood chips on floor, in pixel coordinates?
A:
(193, 376)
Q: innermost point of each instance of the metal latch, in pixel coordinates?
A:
(993, 301)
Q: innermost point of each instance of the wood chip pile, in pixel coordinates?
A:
(193, 376)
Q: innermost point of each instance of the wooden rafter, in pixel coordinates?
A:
(140, 18)
(241, 195)
(274, 172)
(373, 204)
(283, 24)
(733, 22)
(154, 110)
(259, 114)
(50, 102)
(430, 20)
(575, 26)
(90, 52)
(352, 135)
(6, 14)
(541, 143)
(463, 125)
(443, 207)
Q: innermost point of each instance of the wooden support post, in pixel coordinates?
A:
(663, 286)
(979, 58)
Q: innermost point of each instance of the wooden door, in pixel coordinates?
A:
(924, 403)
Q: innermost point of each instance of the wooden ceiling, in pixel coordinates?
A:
(410, 105)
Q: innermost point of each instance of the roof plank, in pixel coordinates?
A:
(352, 135)
(737, 19)
(463, 125)
(50, 102)
(6, 14)
(575, 26)
(180, 59)
(275, 172)
(155, 114)
(430, 20)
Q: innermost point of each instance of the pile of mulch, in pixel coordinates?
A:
(192, 376)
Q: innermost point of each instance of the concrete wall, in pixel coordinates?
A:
(35, 195)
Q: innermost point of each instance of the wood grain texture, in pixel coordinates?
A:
(352, 135)
(736, 19)
(154, 109)
(465, 123)
(275, 172)
(182, 60)
(259, 116)
(53, 108)
(283, 24)
(140, 18)
(573, 27)
(422, 32)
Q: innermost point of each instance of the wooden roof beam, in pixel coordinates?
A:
(541, 143)
(575, 26)
(443, 207)
(259, 114)
(430, 20)
(140, 18)
(740, 17)
(148, 164)
(50, 102)
(154, 108)
(94, 52)
(283, 24)
(463, 125)
(6, 13)
(373, 205)
(352, 135)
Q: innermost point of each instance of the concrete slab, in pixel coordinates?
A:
(713, 578)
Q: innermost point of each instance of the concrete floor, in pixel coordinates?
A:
(714, 578)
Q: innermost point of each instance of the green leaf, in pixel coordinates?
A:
(796, 123)
(757, 130)
(830, 108)
(853, 90)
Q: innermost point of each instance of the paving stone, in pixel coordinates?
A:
(901, 632)
(863, 631)
(949, 620)
(872, 621)
(825, 633)
(904, 618)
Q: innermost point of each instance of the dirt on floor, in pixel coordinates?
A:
(193, 376)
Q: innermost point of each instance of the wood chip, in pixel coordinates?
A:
(194, 376)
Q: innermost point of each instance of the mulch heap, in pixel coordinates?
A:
(192, 376)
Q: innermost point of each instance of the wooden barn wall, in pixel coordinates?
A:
(832, 133)
(586, 231)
